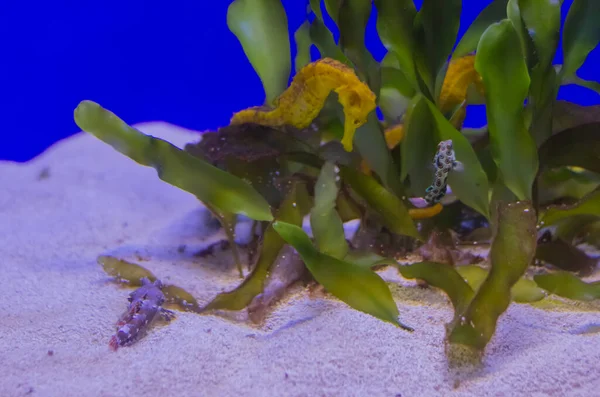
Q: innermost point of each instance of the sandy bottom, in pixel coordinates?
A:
(81, 199)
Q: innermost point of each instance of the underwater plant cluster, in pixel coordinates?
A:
(527, 184)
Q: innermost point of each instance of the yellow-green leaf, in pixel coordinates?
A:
(325, 222)
(541, 20)
(444, 277)
(209, 184)
(322, 37)
(581, 34)
(439, 20)
(568, 286)
(125, 271)
(303, 44)
(370, 143)
(292, 210)
(501, 64)
(512, 250)
(353, 16)
(588, 205)
(261, 27)
(523, 291)
(418, 146)
(392, 211)
(494, 12)
(395, 20)
(357, 286)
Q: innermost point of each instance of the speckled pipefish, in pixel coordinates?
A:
(443, 162)
(301, 103)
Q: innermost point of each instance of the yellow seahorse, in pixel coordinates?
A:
(460, 76)
(301, 103)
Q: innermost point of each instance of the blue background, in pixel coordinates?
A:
(144, 60)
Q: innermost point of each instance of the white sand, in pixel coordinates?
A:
(96, 201)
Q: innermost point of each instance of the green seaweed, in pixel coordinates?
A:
(395, 20)
(494, 12)
(228, 222)
(292, 210)
(262, 29)
(124, 271)
(352, 18)
(322, 37)
(325, 221)
(506, 80)
(419, 145)
(211, 185)
(581, 35)
(568, 286)
(512, 250)
(303, 44)
(391, 209)
(437, 24)
(541, 20)
(180, 298)
(588, 205)
(523, 291)
(444, 277)
(370, 144)
(357, 286)
(395, 90)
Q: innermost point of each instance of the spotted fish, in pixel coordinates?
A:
(443, 162)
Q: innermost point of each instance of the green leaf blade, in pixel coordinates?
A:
(523, 291)
(325, 222)
(357, 286)
(512, 250)
(501, 64)
(209, 184)
(261, 27)
(444, 277)
(291, 211)
(395, 19)
(568, 286)
(418, 146)
(391, 209)
(303, 44)
(370, 143)
(352, 18)
(588, 205)
(322, 37)
(396, 91)
(440, 21)
(541, 21)
(124, 271)
(581, 34)
(494, 12)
